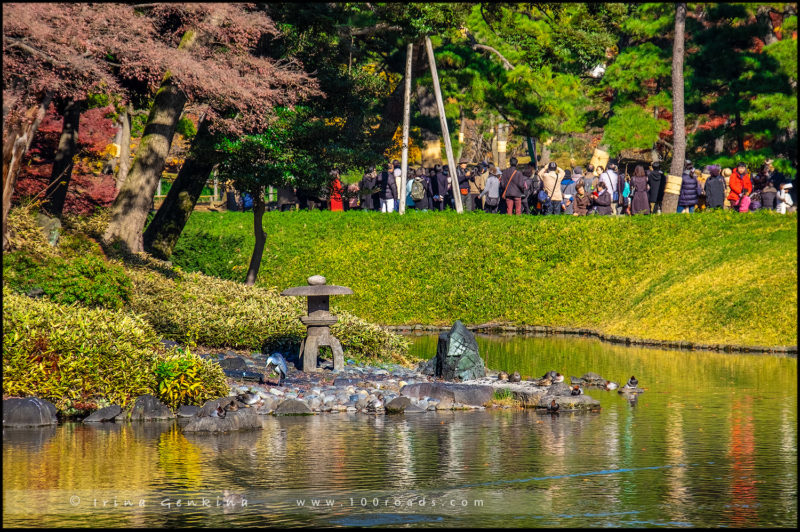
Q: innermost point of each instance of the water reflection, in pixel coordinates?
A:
(716, 449)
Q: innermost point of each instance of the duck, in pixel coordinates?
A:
(610, 385)
(514, 377)
(558, 378)
(632, 382)
(219, 412)
(248, 399)
(502, 376)
(544, 381)
(277, 361)
(576, 390)
(549, 374)
(231, 407)
(553, 406)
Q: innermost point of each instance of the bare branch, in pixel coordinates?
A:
(21, 45)
(506, 63)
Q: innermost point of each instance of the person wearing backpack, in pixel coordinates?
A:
(550, 195)
(513, 185)
(418, 191)
(491, 192)
(568, 191)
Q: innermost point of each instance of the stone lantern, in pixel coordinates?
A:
(318, 321)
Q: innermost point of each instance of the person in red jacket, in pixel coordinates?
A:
(336, 192)
(739, 184)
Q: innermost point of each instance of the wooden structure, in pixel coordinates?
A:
(318, 321)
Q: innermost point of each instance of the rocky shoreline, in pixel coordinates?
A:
(543, 330)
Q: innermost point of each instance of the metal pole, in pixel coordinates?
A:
(445, 132)
(406, 120)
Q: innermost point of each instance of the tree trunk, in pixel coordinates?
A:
(56, 193)
(166, 227)
(461, 129)
(124, 148)
(130, 208)
(17, 137)
(678, 118)
(406, 120)
(135, 198)
(545, 155)
(443, 120)
(258, 227)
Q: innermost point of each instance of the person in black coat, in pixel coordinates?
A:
(657, 181)
(715, 188)
(388, 192)
(439, 185)
(367, 183)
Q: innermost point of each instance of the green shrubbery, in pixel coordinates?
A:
(88, 279)
(711, 277)
(80, 358)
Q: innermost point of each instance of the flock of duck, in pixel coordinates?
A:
(553, 377)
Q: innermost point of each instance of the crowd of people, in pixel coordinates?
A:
(553, 191)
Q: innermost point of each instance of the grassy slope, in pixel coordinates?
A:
(711, 277)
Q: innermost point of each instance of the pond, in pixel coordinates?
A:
(712, 442)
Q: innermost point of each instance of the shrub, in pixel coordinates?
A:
(79, 358)
(88, 279)
(216, 313)
(186, 379)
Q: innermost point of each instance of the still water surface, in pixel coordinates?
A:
(712, 442)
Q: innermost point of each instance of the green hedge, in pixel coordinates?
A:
(712, 277)
(81, 359)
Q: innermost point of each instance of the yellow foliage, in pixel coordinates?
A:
(395, 150)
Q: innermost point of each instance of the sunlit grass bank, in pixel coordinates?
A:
(716, 277)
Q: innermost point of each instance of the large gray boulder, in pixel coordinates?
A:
(28, 412)
(457, 355)
(235, 363)
(449, 393)
(293, 407)
(104, 414)
(397, 405)
(242, 419)
(148, 408)
(570, 402)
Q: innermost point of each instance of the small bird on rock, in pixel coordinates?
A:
(219, 412)
(558, 378)
(502, 376)
(248, 399)
(231, 407)
(576, 390)
(277, 361)
(611, 385)
(514, 377)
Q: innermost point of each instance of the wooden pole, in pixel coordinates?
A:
(406, 120)
(445, 132)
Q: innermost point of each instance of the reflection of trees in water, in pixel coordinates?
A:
(678, 496)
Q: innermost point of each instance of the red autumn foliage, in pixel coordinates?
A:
(88, 189)
(72, 49)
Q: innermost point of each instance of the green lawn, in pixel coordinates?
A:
(715, 277)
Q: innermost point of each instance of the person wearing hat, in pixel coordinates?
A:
(491, 192)
(740, 184)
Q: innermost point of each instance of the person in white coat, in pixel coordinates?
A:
(784, 198)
